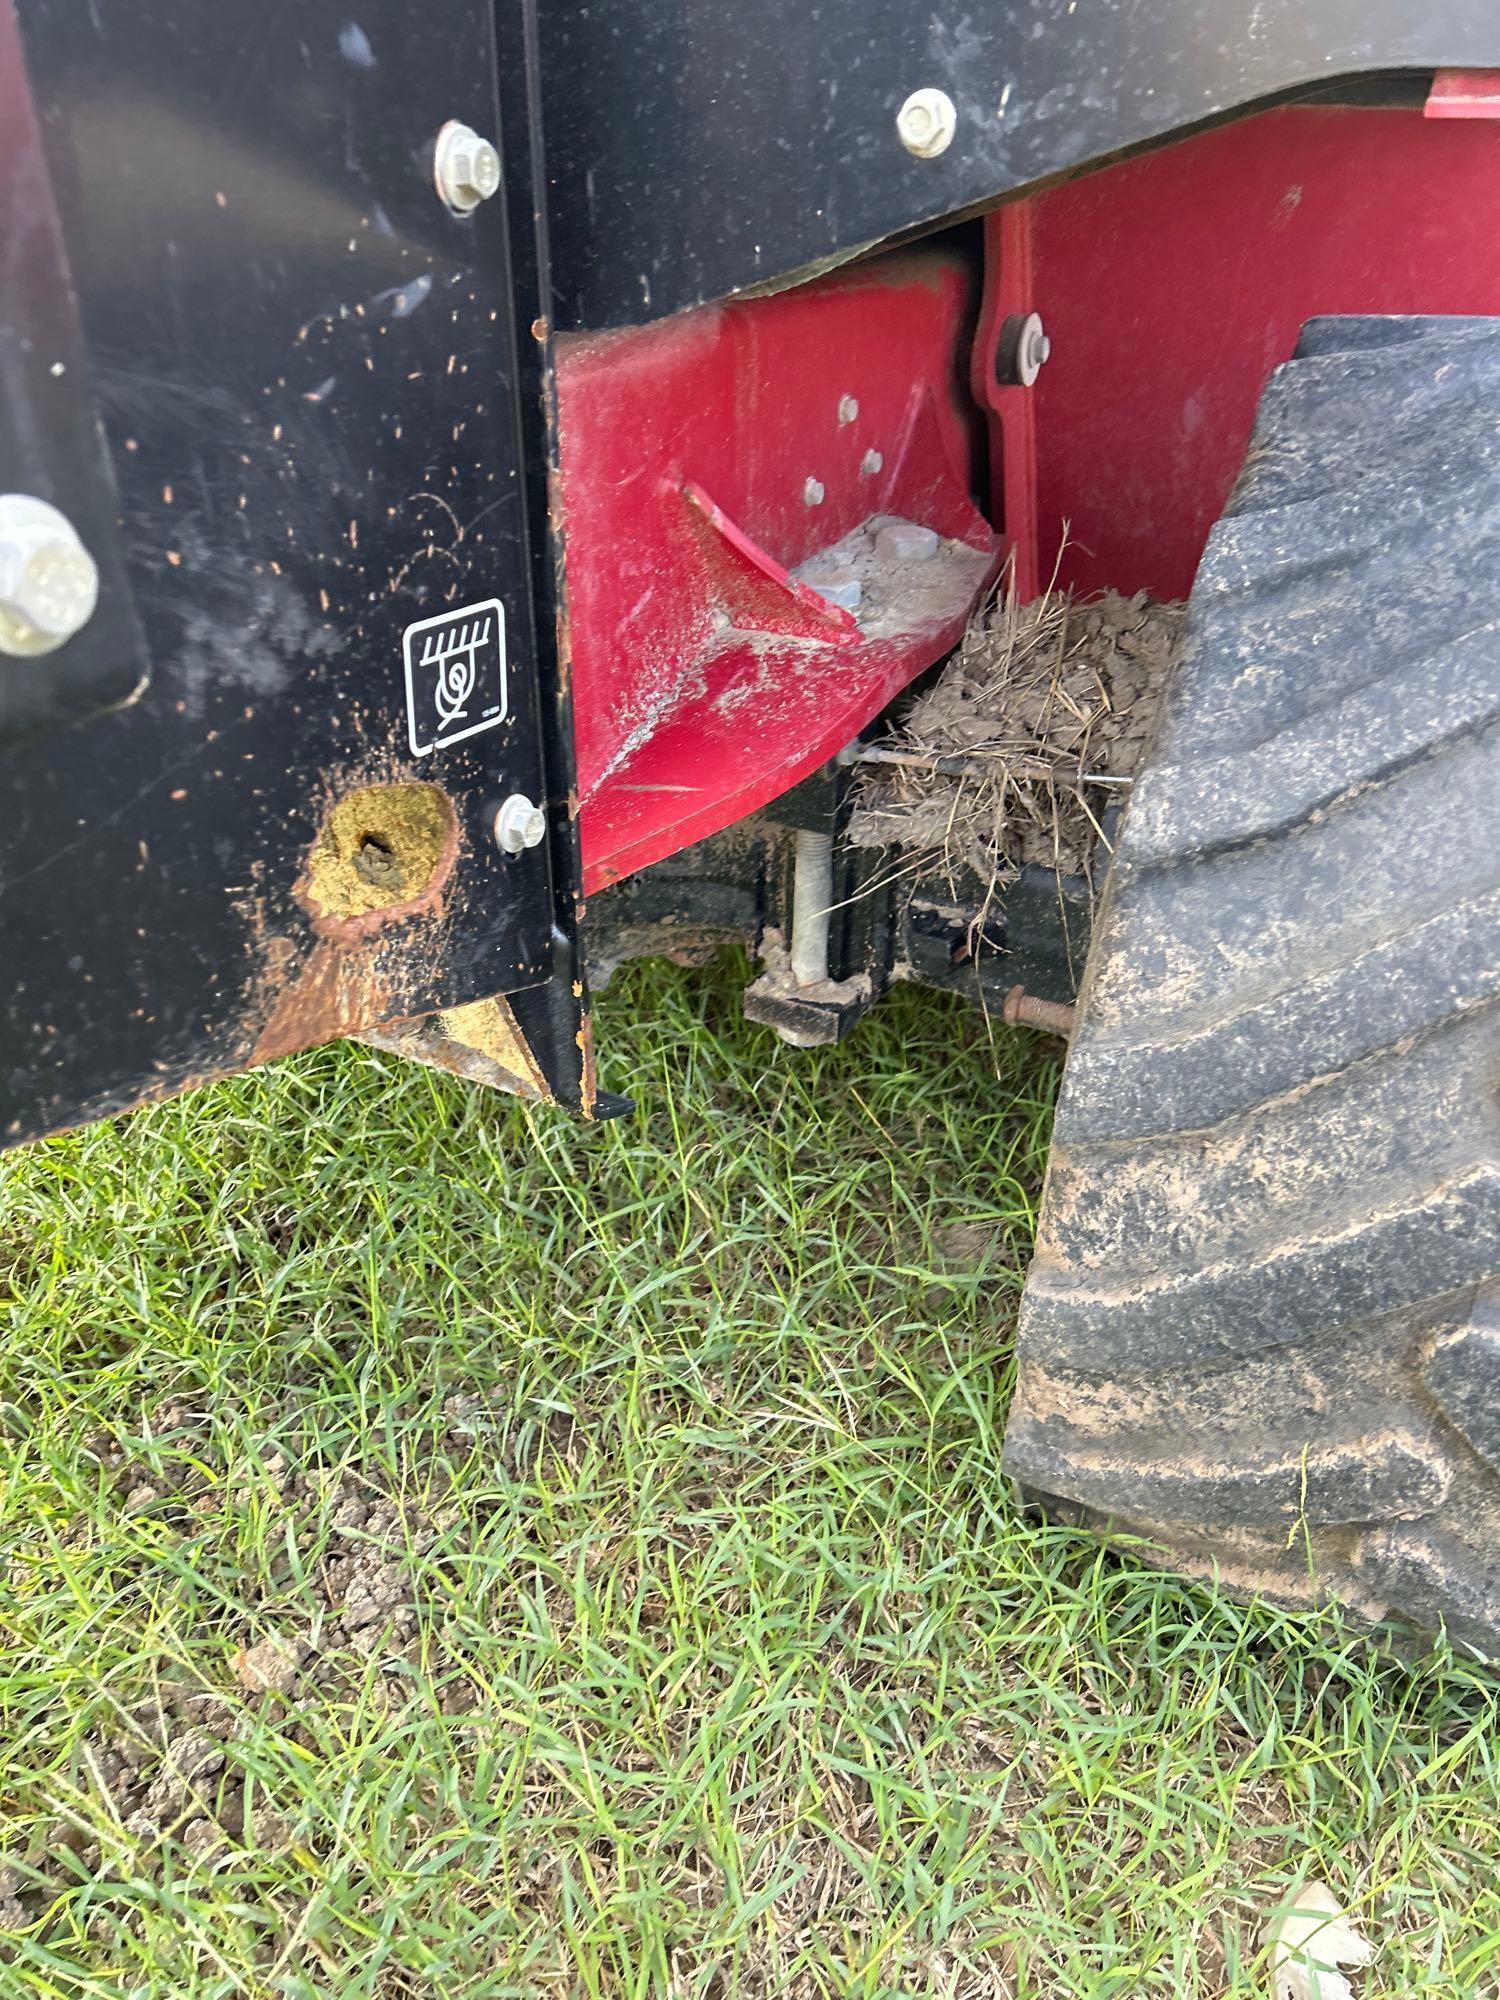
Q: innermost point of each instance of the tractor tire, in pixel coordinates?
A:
(1262, 1328)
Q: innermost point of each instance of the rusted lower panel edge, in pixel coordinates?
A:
(480, 1042)
(483, 1042)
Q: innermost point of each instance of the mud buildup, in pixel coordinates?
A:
(1033, 730)
(382, 847)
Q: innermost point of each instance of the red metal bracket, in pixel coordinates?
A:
(757, 594)
(708, 465)
(1174, 282)
(1009, 293)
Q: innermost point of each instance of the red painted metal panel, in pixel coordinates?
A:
(1173, 283)
(1464, 93)
(1009, 292)
(707, 457)
(702, 460)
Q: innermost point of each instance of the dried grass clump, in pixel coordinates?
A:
(1040, 719)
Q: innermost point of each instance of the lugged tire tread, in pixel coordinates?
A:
(1263, 1289)
(1416, 710)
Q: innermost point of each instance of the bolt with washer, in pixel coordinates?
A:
(48, 583)
(1024, 349)
(519, 824)
(926, 123)
(465, 167)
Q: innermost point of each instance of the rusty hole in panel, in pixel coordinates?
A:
(384, 850)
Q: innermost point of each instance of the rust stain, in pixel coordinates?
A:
(564, 629)
(1025, 1010)
(339, 987)
(588, 1077)
(373, 934)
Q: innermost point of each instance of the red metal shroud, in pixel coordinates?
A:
(705, 458)
(707, 679)
(1173, 283)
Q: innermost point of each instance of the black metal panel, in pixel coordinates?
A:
(557, 1019)
(700, 147)
(306, 371)
(50, 445)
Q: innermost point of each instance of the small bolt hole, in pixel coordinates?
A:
(376, 862)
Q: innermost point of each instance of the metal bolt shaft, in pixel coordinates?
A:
(1024, 1010)
(812, 896)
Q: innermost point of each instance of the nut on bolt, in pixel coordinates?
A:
(465, 167)
(48, 583)
(519, 824)
(926, 123)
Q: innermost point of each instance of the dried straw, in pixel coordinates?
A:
(1015, 753)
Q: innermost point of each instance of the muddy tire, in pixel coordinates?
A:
(1262, 1328)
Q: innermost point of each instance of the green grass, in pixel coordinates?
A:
(722, 1662)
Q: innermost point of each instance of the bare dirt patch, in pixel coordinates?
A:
(159, 1768)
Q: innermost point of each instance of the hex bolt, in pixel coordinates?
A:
(48, 583)
(838, 583)
(465, 167)
(519, 824)
(905, 541)
(1024, 349)
(926, 123)
(1025, 1010)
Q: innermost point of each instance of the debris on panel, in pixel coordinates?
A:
(895, 575)
(1029, 736)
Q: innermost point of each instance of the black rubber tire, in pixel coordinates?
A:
(1262, 1329)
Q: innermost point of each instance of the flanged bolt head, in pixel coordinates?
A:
(519, 824)
(1024, 349)
(466, 167)
(926, 123)
(48, 583)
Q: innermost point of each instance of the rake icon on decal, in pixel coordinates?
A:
(456, 683)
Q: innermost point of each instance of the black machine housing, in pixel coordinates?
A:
(296, 407)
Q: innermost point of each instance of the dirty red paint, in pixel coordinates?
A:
(706, 680)
(1464, 93)
(1171, 285)
(704, 458)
